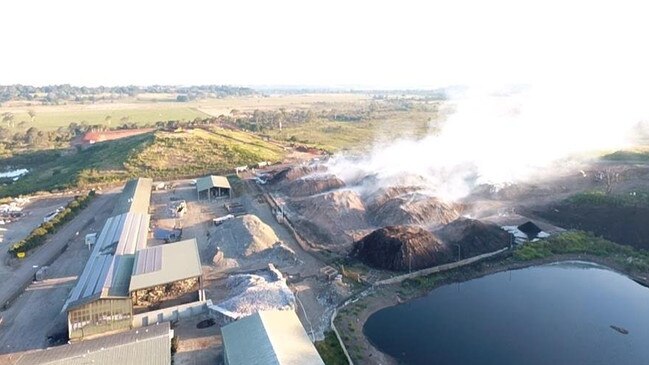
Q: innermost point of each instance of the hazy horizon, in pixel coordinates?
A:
(330, 44)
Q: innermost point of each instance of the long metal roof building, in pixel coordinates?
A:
(268, 338)
(135, 197)
(108, 270)
(150, 345)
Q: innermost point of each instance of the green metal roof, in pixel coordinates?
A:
(165, 264)
(148, 345)
(272, 337)
(206, 182)
(135, 197)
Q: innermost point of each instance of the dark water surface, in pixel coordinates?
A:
(552, 314)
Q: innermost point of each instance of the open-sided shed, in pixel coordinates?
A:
(209, 187)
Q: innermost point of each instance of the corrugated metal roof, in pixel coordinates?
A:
(206, 182)
(108, 270)
(269, 338)
(135, 197)
(149, 345)
(177, 261)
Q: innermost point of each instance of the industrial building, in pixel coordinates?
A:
(150, 345)
(272, 337)
(211, 187)
(123, 277)
(135, 197)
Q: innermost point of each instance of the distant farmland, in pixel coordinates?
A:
(142, 110)
(48, 118)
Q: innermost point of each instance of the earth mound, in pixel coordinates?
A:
(474, 237)
(402, 206)
(247, 237)
(401, 248)
(331, 218)
(312, 185)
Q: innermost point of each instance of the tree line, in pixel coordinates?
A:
(54, 94)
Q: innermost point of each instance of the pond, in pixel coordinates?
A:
(564, 313)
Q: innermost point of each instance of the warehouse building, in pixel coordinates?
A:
(211, 187)
(135, 197)
(123, 277)
(272, 337)
(151, 346)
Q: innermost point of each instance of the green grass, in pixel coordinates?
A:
(61, 169)
(330, 350)
(579, 242)
(336, 135)
(600, 198)
(632, 156)
(53, 119)
(159, 155)
(198, 152)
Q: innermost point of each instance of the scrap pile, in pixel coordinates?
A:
(252, 293)
(152, 296)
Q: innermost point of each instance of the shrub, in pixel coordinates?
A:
(39, 235)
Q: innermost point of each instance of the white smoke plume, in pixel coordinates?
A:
(496, 139)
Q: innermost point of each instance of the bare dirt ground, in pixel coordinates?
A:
(315, 298)
(198, 345)
(36, 313)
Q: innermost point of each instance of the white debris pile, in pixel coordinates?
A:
(256, 292)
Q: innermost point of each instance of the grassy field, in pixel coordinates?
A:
(335, 136)
(61, 169)
(158, 155)
(52, 119)
(199, 152)
(579, 242)
(330, 350)
(143, 110)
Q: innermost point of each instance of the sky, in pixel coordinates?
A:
(357, 44)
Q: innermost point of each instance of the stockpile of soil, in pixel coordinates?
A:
(312, 185)
(331, 218)
(411, 208)
(474, 237)
(401, 248)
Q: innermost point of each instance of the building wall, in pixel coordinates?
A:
(99, 316)
(169, 314)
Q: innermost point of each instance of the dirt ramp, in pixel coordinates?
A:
(474, 237)
(401, 248)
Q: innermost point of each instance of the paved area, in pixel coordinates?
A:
(36, 313)
(34, 211)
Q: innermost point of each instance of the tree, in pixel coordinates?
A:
(8, 118)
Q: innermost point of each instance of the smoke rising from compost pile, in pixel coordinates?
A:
(497, 137)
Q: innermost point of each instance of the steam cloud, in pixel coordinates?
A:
(496, 139)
